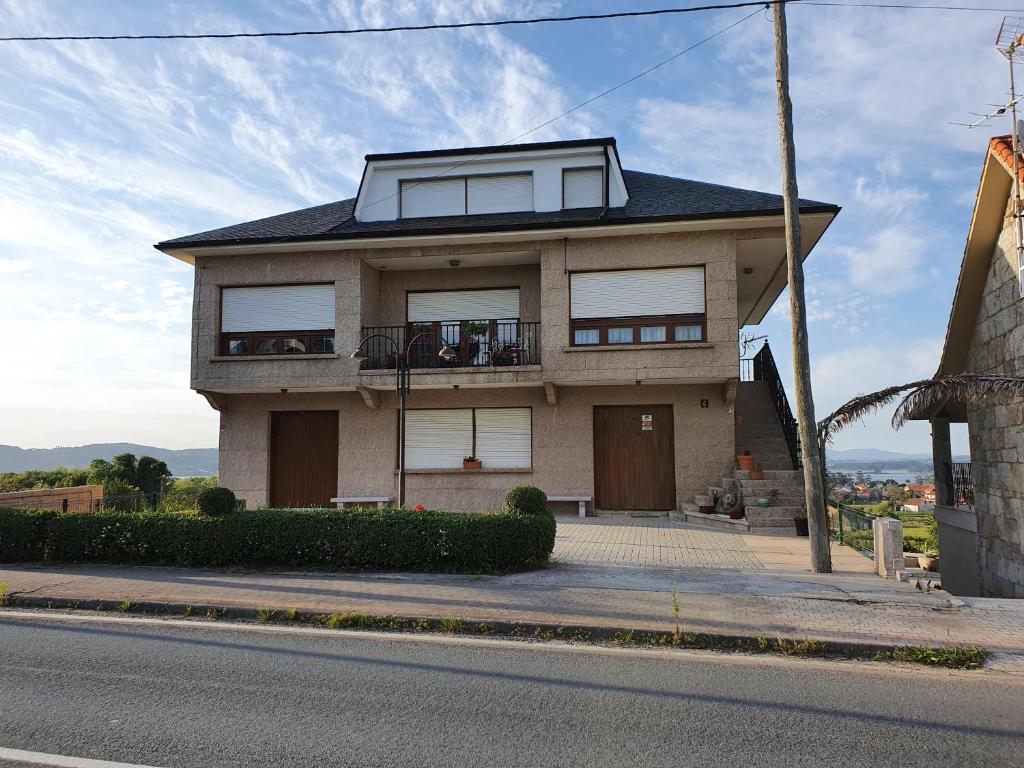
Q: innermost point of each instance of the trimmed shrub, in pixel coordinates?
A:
(527, 500)
(213, 502)
(343, 539)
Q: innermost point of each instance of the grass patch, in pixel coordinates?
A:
(950, 657)
(265, 614)
(126, 605)
(4, 599)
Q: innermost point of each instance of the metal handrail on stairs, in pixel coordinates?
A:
(761, 367)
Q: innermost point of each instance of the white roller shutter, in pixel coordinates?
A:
(499, 194)
(449, 306)
(583, 188)
(278, 308)
(438, 439)
(436, 197)
(504, 437)
(638, 293)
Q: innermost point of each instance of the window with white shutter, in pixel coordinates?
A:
(438, 439)
(504, 437)
(582, 187)
(451, 306)
(277, 319)
(501, 438)
(499, 194)
(433, 197)
(645, 306)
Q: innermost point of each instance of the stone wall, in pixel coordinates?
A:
(997, 432)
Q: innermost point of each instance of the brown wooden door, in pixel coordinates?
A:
(634, 466)
(303, 458)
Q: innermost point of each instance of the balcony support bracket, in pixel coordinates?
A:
(371, 397)
(551, 393)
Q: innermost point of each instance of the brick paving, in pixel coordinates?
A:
(649, 542)
(606, 572)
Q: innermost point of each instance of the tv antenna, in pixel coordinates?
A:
(1010, 43)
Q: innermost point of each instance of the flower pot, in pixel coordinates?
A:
(746, 462)
(757, 474)
(928, 563)
(466, 464)
(736, 513)
(801, 526)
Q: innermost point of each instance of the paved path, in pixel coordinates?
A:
(664, 543)
(199, 696)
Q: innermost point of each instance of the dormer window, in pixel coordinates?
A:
(493, 193)
(583, 187)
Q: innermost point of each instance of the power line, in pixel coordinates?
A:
(407, 27)
(582, 104)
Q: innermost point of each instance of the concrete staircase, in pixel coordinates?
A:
(759, 430)
(784, 491)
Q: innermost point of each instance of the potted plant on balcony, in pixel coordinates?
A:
(506, 354)
(478, 328)
(746, 461)
(471, 462)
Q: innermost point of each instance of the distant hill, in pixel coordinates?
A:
(872, 454)
(187, 462)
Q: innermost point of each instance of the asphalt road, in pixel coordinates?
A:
(162, 695)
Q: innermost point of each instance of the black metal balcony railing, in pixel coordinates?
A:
(476, 343)
(959, 484)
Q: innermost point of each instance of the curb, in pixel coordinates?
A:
(573, 633)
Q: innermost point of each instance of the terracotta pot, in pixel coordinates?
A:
(746, 462)
(757, 474)
(736, 514)
(471, 464)
(928, 563)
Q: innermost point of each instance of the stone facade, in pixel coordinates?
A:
(997, 432)
(563, 448)
(562, 390)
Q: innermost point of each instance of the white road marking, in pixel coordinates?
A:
(61, 761)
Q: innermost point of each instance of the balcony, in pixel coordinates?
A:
(958, 485)
(476, 344)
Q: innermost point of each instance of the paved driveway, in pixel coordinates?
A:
(650, 542)
(661, 543)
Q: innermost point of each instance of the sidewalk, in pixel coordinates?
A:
(847, 607)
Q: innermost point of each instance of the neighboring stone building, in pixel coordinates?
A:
(568, 323)
(980, 506)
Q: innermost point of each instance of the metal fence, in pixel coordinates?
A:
(852, 527)
(132, 502)
(959, 484)
(475, 344)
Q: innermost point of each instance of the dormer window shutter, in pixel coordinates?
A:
(499, 194)
(583, 188)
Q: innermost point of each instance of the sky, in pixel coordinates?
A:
(109, 147)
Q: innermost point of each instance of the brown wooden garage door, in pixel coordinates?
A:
(634, 457)
(303, 458)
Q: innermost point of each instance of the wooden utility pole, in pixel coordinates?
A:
(814, 491)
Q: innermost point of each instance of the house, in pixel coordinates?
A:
(568, 323)
(921, 491)
(980, 504)
(916, 505)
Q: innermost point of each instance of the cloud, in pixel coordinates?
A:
(889, 262)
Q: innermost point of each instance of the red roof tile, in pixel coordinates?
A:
(1002, 147)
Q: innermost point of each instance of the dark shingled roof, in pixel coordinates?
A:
(652, 198)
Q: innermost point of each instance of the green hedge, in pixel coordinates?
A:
(378, 539)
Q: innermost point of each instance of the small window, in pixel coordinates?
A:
(583, 187)
(324, 344)
(238, 346)
(587, 336)
(652, 333)
(621, 335)
(688, 333)
(294, 346)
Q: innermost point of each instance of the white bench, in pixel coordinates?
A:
(581, 500)
(380, 501)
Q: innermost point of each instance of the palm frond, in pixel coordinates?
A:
(964, 388)
(861, 406)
